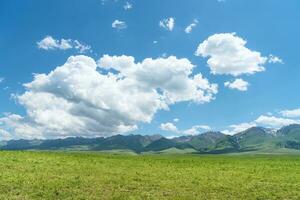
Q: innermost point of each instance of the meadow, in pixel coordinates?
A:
(30, 175)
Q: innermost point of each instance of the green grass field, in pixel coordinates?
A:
(59, 175)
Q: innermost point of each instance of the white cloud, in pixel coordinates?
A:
(15, 126)
(194, 130)
(1, 79)
(155, 42)
(228, 55)
(238, 84)
(167, 24)
(117, 24)
(274, 59)
(4, 135)
(190, 27)
(81, 47)
(237, 128)
(169, 127)
(80, 98)
(49, 43)
(172, 76)
(291, 113)
(264, 121)
(274, 122)
(127, 6)
(176, 120)
(171, 136)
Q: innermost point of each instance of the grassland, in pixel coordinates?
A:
(59, 175)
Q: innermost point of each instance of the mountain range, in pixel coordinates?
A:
(255, 139)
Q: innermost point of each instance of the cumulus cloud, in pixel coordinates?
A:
(1, 79)
(291, 113)
(274, 59)
(274, 122)
(4, 135)
(167, 23)
(170, 76)
(237, 128)
(169, 127)
(194, 130)
(190, 27)
(81, 47)
(127, 6)
(14, 126)
(117, 24)
(81, 98)
(264, 121)
(238, 84)
(49, 43)
(227, 54)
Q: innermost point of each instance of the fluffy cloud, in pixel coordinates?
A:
(14, 126)
(170, 77)
(190, 27)
(49, 43)
(167, 24)
(274, 59)
(237, 128)
(80, 47)
(4, 135)
(1, 79)
(127, 6)
(238, 84)
(274, 122)
(263, 120)
(291, 113)
(169, 127)
(81, 98)
(117, 24)
(194, 130)
(228, 55)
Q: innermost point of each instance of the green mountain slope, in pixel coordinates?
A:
(164, 143)
(255, 139)
(289, 136)
(212, 141)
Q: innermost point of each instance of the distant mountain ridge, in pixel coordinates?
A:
(250, 140)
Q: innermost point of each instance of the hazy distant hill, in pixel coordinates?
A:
(252, 139)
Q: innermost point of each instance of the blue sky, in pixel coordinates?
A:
(266, 97)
